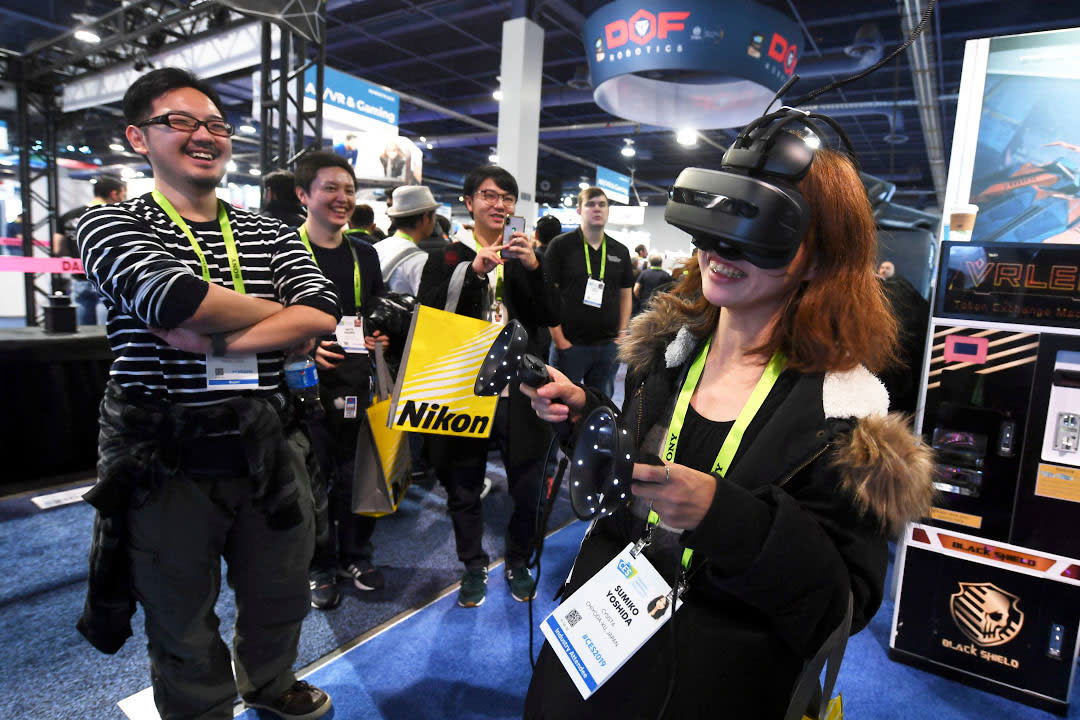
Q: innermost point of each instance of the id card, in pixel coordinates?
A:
(231, 373)
(350, 335)
(594, 292)
(350, 407)
(598, 628)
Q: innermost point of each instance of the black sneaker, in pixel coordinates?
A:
(522, 584)
(364, 575)
(302, 701)
(325, 593)
(473, 590)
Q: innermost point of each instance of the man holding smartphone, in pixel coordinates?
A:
(505, 281)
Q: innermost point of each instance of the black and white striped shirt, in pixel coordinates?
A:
(148, 275)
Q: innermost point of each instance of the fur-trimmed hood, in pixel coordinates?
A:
(885, 467)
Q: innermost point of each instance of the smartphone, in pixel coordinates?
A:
(514, 223)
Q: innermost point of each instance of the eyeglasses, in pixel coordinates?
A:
(187, 123)
(491, 197)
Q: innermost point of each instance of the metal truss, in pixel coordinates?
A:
(288, 131)
(131, 33)
(36, 108)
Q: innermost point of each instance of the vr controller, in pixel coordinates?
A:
(602, 465)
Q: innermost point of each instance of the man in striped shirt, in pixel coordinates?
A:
(202, 299)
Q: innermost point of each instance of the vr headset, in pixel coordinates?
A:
(751, 208)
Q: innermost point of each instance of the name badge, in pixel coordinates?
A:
(231, 373)
(350, 335)
(598, 628)
(594, 292)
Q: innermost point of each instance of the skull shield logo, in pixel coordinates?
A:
(986, 613)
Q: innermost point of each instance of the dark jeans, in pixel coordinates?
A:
(464, 481)
(349, 536)
(593, 365)
(89, 310)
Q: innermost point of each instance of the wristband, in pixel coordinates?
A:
(217, 344)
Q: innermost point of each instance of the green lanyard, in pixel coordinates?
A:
(738, 428)
(355, 262)
(603, 257)
(226, 234)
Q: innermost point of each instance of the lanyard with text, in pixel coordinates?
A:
(226, 234)
(355, 263)
(603, 256)
(735, 435)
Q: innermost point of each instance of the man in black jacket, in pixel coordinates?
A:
(505, 282)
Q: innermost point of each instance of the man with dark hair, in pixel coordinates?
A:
(502, 282)
(362, 225)
(592, 275)
(279, 198)
(653, 278)
(326, 186)
(200, 457)
(547, 228)
(89, 310)
(413, 213)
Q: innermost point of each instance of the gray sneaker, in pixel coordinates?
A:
(473, 590)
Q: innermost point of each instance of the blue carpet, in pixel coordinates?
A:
(447, 661)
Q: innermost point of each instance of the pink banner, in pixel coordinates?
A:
(16, 242)
(64, 265)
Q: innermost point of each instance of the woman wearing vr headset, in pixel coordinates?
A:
(781, 469)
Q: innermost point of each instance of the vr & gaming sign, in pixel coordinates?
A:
(689, 63)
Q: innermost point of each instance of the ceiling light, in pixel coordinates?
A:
(87, 36)
(493, 158)
(568, 201)
(497, 95)
(422, 139)
(140, 174)
(686, 136)
(70, 148)
(127, 173)
(84, 149)
(117, 147)
(246, 129)
(643, 203)
(461, 198)
(583, 185)
(231, 166)
(254, 171)
(628, 149)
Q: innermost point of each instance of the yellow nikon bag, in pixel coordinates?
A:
(382, 471)
(434, 391)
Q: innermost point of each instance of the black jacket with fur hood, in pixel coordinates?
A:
(821, 479)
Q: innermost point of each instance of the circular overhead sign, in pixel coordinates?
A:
(693, 64)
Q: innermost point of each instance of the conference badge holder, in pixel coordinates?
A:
(599, 627)
(594, 292)
(350, 335)
(231, 373)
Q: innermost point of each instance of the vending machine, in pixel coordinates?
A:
(988, 588)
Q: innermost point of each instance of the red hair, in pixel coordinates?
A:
(839, 317)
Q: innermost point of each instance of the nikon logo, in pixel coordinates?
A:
(433, 416)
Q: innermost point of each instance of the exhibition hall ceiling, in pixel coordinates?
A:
(447, 52)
